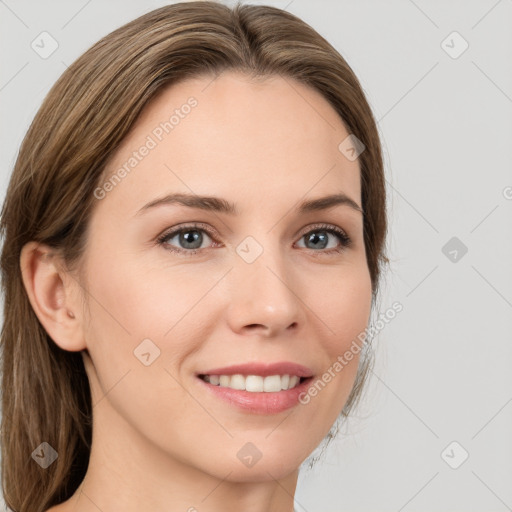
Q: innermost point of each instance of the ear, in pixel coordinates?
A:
(53, 294)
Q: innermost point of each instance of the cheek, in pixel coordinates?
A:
(342, 303)
(144, 325)
(343, 312)
(146, 313)
(136, 299)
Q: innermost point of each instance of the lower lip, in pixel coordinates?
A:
(259, 402)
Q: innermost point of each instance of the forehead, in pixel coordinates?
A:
(231, 136)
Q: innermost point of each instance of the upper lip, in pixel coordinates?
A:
(263, 369)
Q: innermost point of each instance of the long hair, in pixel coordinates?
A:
(80, 124)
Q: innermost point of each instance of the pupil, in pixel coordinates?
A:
(314, 238)
(194, 235)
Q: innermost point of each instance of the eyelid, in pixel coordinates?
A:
(175, 230)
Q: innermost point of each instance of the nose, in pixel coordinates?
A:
(264, 296)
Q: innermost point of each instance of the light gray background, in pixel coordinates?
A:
(443, 364)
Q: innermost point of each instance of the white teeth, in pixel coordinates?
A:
(254, 383)
(237, 382)
(294, 380)
(272, 383)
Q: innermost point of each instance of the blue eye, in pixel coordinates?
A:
(191, 238)
(318, 236)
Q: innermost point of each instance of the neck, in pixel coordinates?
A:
(129, 472)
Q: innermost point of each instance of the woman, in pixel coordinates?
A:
(193, 237)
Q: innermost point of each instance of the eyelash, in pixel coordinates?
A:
(345, 240)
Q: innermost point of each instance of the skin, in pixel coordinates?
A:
(160, 442)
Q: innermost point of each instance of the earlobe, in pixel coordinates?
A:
(50, 292)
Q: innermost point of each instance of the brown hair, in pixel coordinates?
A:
(83, 119)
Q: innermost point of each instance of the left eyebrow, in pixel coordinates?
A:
(217, 204)
(324, 203)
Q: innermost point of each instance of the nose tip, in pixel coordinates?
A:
(262, 300)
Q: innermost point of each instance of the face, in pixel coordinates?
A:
(266, 283)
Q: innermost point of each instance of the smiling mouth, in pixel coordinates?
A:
(255, 383)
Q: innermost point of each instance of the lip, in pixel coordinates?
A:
(257, 402)
(262, 369)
